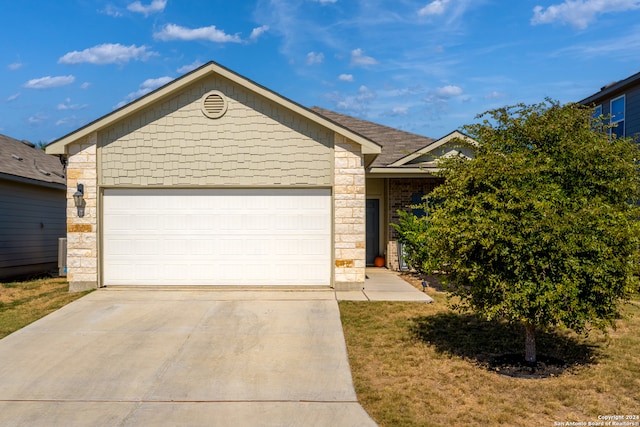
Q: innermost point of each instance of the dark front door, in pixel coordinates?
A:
(373, 229)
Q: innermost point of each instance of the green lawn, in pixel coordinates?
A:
(22, 303)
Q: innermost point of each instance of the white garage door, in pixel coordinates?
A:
(217, 237)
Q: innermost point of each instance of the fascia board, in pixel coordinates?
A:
(431, 147)
(59, 146)
(418, 171)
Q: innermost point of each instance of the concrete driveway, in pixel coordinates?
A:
(182, 357)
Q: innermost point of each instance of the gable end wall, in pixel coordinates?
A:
(256, 143)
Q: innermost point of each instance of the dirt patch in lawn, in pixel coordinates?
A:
(431, 281)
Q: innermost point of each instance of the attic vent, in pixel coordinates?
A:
(214, 104)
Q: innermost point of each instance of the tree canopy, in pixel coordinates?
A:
(541, 226)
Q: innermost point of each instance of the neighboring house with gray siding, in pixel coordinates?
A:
(621, 101)
(32, 209)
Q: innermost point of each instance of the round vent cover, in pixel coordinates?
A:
(214, 104)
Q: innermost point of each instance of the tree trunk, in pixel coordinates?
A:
(530, 344)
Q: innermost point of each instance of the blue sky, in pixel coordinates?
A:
(424, 66)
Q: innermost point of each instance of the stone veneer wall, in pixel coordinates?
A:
(349, 215)
(82, 241)
(400, 192)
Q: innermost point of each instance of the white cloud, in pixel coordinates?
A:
(67, 105)
(448, 14)
(147, 86)
(111, 10)
(189, 67)
(625, 46)
(108, 53)
(37, 118)
(67, 121)
(325, 1)
(85, 85)
(399, 111)
(13, 97)
(315, 58)
(257, 32)
(49, 82)
(345, 77)
(152, 84)
(154, 7)
(446, 92)
(355, 104)
(358, 58)
(211, 33)
(438, 99)
(15, 66)
(436, 7)
(495, 95)
(580, 13)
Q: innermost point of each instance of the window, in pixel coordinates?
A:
(596, 117)
(417, 199)
(597, 112)
(617, 116)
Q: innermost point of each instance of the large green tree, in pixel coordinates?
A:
(541, 226)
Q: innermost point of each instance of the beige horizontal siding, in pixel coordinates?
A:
(256, 143)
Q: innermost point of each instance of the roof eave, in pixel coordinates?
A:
(31, 181)
(435, 144)
(607, 91)
(59, 146)
(389, 172)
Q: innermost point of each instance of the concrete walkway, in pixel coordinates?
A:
(384, 285)
(188, 358)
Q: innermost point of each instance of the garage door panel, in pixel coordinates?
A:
(147, 271)
(287, 247)
(146, 246)
(255, 223)
(117, 271)
(313, 247)
(118, 222)
(217, 237)
(175, 247)
(118, 246)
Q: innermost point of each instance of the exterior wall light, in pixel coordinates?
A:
(78, 199)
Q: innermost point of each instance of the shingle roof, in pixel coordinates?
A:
(59, 146)
(607, 90)
(26, 161)
(395, 143)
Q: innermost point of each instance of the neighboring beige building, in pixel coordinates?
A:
(215, 180)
